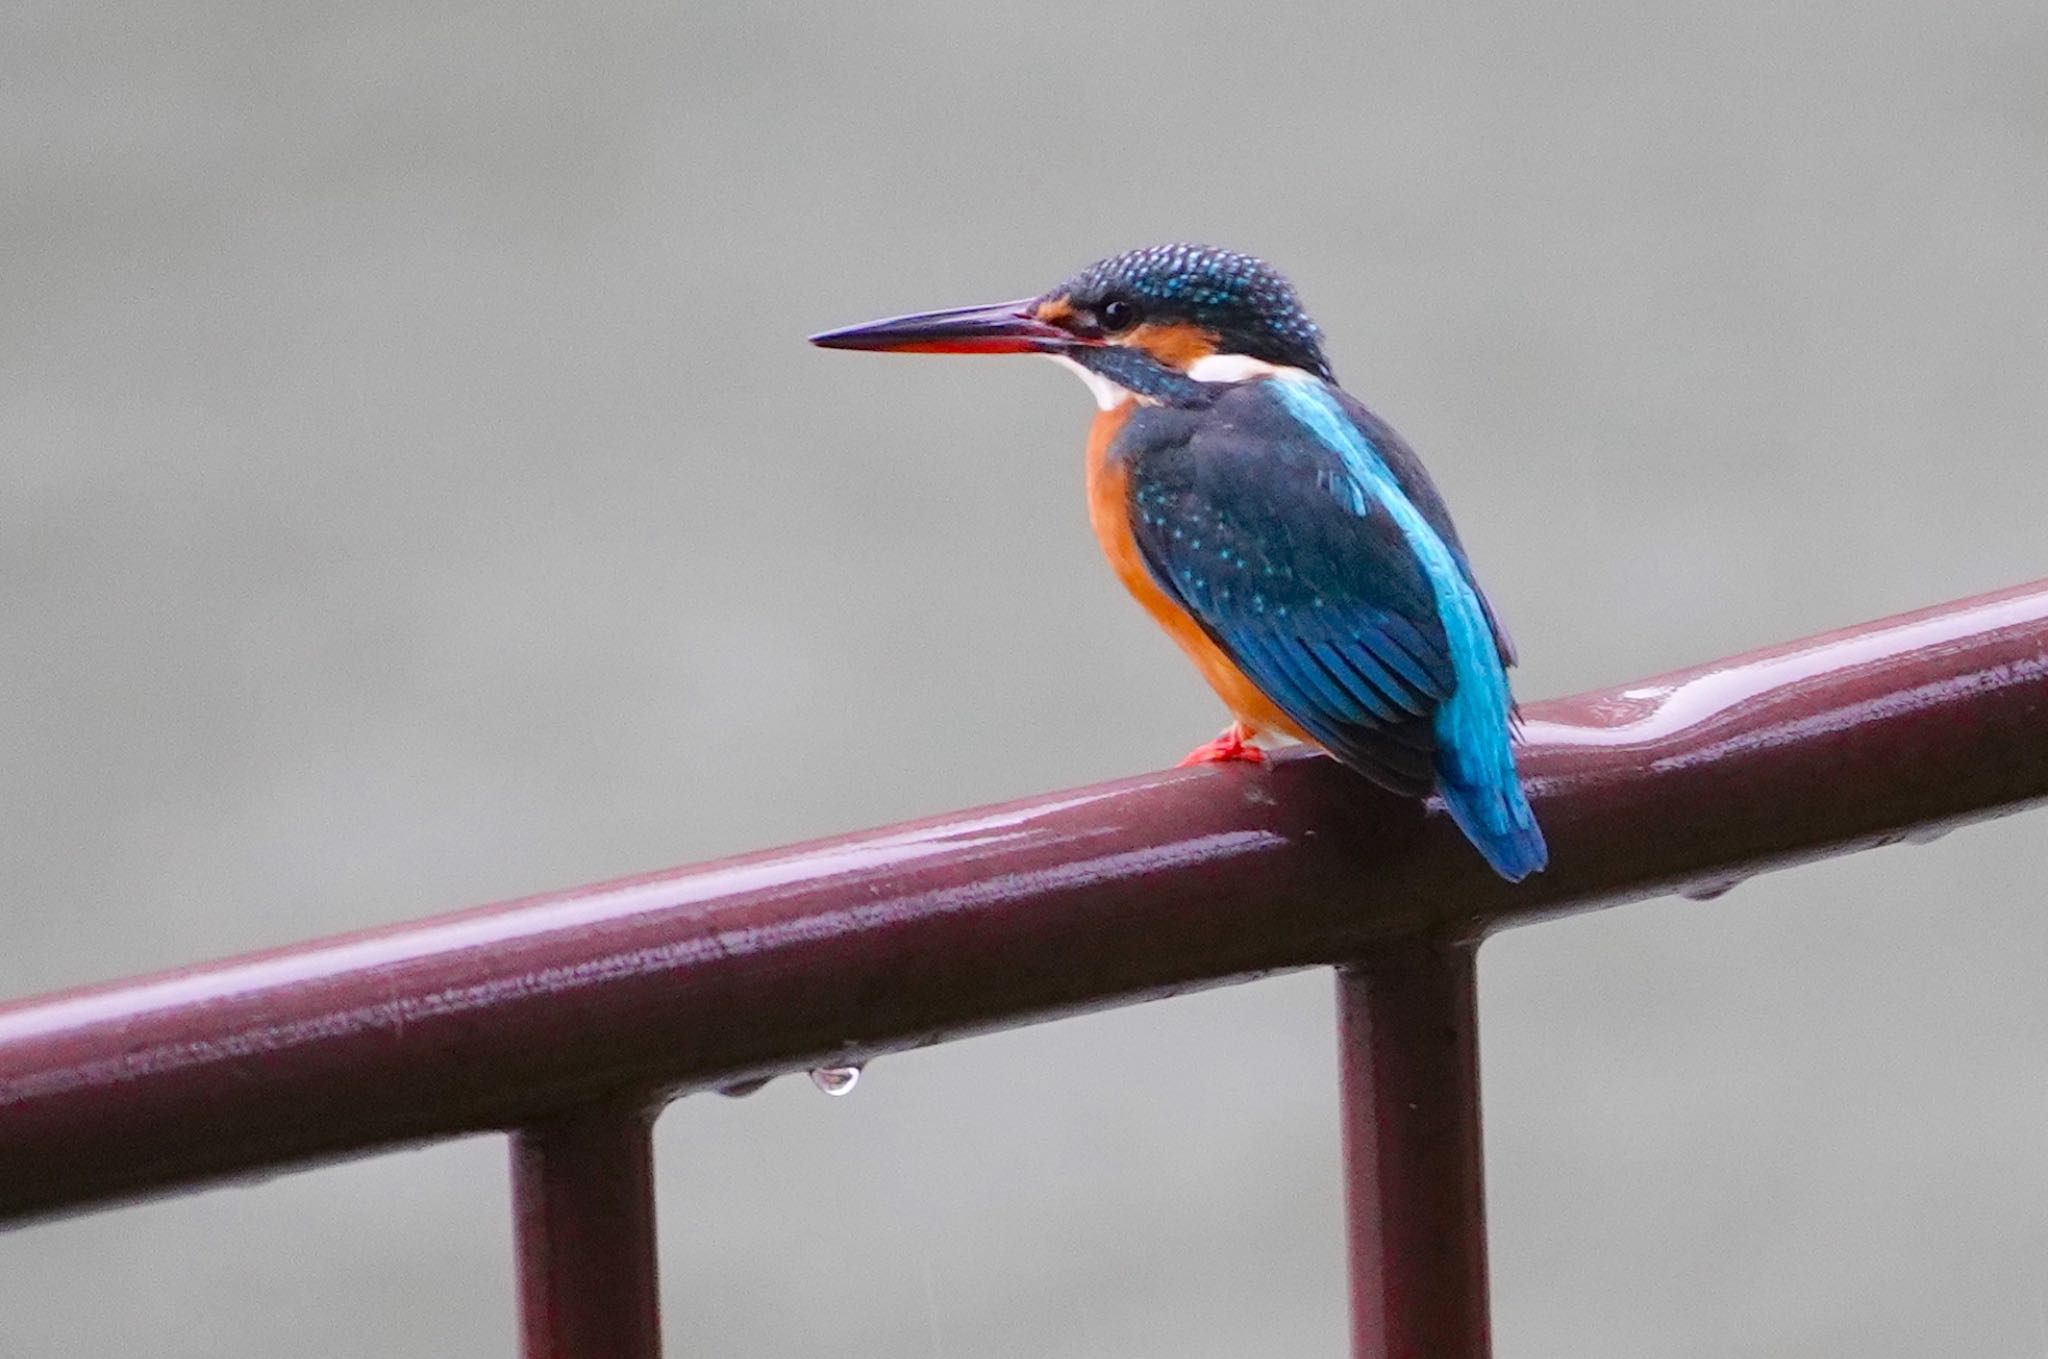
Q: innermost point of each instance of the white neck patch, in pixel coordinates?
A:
(1243, 368)
(1209, 368)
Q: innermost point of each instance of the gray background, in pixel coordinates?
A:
(416, 492)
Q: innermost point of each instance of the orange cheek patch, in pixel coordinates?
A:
(1177, 345)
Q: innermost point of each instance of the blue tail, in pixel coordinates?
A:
(1498, 822)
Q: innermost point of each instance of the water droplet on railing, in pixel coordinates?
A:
(1709, 889)
(836, 1080)
(741, 1089)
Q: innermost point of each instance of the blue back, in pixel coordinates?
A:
(1305, 538)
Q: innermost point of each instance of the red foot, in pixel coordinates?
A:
(1231, 745)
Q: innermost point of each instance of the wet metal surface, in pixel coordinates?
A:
(827, 954)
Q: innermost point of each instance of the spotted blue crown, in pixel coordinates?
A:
(1250, 305)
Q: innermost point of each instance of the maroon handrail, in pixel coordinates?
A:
(567, 1019)
(846, 949)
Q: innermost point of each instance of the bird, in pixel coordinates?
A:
(1280, 532)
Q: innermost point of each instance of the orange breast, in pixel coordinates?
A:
(1109, 511)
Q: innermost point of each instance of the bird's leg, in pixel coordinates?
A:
(1234, 744)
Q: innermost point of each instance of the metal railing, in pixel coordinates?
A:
(568, 1019)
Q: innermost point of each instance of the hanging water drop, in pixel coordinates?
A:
(836, 1080)
(1708, 889)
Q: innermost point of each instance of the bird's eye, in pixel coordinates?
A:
(1117, 315)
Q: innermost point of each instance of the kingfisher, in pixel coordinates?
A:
(1279, 531)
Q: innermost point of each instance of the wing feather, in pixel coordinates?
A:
(1261, 533)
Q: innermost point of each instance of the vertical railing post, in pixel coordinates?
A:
(1408, 1041)
(583, 1203)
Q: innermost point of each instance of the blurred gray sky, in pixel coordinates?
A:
(416, 492)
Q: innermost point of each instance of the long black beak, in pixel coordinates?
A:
(1005, 328)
